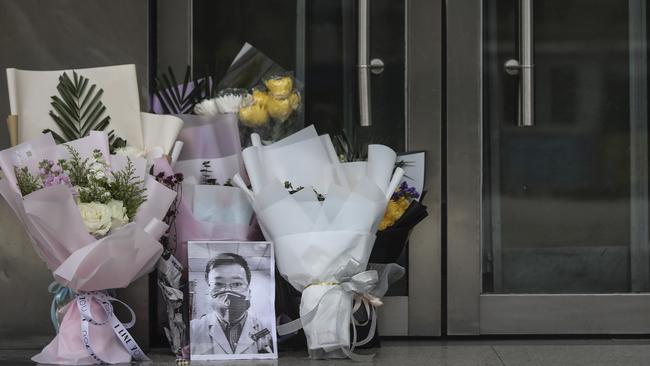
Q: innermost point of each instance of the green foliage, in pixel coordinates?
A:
(26, 182)
(126, 188)
(96, 188)
(76, 167)
(78, 109)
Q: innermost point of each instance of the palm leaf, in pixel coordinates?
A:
(174, 97)
(180, 98)
(78, 109)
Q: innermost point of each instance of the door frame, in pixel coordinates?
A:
(424, 116)
(469, 311)
(418, 314)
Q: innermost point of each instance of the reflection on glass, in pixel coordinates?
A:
(558, 212)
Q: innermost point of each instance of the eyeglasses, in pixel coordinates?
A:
(234, 286)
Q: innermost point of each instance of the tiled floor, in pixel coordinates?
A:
(448, 353)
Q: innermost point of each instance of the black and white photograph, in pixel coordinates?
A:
(232, 300)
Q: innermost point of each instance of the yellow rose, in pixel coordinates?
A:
(260, 97)
(96, 217)
(279, 87)
(254, 115)
(279, 109)
(294, 100)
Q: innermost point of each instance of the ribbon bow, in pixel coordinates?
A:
(61, 294)
(360, 286)
(84, 303)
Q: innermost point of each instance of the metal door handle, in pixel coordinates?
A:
(364, 68)
(524, 66)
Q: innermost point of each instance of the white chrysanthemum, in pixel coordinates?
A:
(118, 214)
(96, 217)
(232, 102)
(207, 107)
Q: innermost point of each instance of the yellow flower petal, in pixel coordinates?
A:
(279, 87)
(260, 97)
(294, 100)
(279, 109)
(253, 115)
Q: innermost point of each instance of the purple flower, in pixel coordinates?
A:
(405, 191)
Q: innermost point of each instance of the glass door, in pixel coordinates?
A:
(558, 169)
(351, 58)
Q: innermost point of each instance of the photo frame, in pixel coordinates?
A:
(232, 300)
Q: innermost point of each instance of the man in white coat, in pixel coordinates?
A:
(230, 328)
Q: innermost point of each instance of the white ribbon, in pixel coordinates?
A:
(360, 285)
(84, 301)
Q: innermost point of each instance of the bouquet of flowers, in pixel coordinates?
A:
(323, 227)
(403, 213)
(263, 96)
(271, 109)
(111, 211)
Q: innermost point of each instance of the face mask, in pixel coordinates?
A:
(231, 305)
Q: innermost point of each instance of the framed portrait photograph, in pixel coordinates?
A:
(232, 300)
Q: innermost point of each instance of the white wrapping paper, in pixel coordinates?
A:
(315, 240)
(30, 94)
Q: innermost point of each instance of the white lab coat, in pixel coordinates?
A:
(207, 336)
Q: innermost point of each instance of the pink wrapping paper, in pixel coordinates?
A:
(188, 227)
(78, 260)
(67, 349)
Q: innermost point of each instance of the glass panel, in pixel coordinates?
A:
(317, 39)
(565, 201)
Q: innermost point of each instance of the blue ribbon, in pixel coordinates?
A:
(61, 294)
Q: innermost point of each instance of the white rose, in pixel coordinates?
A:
(96, 217)
(118, 214)
(99, 175)
(129, 151)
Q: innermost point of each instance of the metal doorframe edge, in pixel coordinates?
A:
(464, 166)
(423, 125)
(565, 314)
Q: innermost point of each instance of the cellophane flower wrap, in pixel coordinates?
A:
(212, 208)
(321, 246)
(87, 264)
(272, 99)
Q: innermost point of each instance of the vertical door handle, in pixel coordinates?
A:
(364, 66)
(524, 66)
